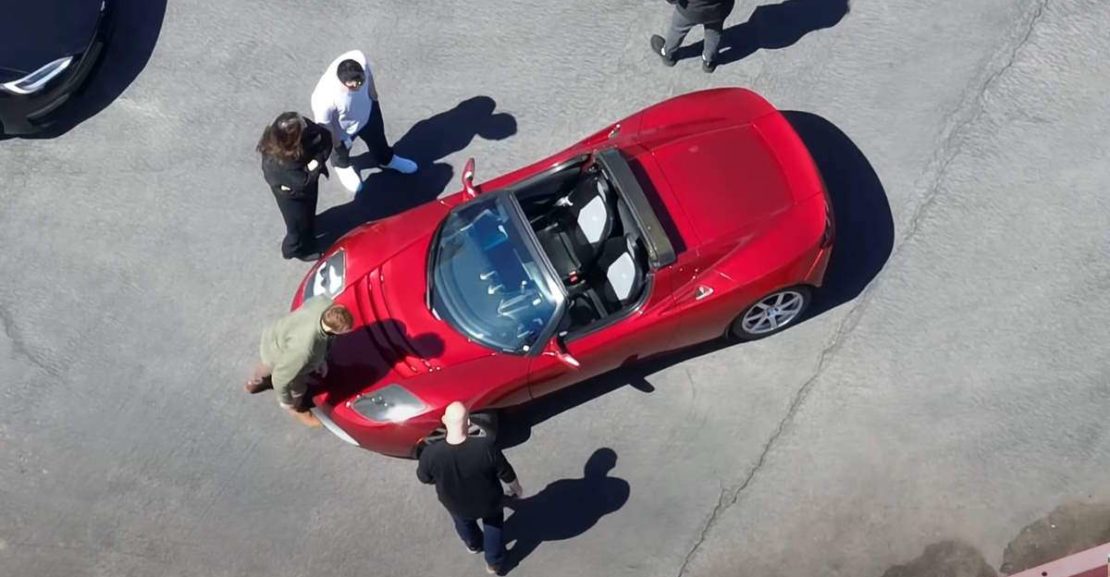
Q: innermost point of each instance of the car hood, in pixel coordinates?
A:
(36, 32)
(397, 338)
(723, 180)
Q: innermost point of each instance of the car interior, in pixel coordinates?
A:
(588, 233)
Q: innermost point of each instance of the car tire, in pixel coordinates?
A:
(771, 313)
(482, 425)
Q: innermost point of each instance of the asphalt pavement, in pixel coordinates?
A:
(945, 407)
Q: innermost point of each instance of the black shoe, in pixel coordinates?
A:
(657, 44)
(308, 256)
(707, 66)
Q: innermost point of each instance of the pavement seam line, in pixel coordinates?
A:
(851, 320)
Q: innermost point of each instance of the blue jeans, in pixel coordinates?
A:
(489, 540)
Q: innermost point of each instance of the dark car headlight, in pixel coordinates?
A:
(328, 278)
(36, 80)
(389, 404)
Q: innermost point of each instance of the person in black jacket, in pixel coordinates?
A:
(468, 472)
(293, 151)
(710, 14)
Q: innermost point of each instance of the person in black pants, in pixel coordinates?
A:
(467, 472)
(293, 151)
(710, 14)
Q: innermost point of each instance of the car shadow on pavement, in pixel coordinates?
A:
(865, 238)
(516, 423)
(134, 27)
(773, 26)
(564, 509)
(864, 224)
(428, 142)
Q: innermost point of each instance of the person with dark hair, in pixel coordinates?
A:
(710, 14)
(345, 100)
(294, 150)
(295, 347)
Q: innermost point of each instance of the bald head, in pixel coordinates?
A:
(456, 418)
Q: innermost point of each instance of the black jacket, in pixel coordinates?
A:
(467, 476)
(705, 11)
(293, 178)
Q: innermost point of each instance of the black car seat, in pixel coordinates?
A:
(581, 222)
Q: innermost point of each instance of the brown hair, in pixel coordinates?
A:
(282, 139)
(338, 319)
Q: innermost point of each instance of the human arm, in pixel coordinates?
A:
(290, 179)
(505, 472)
(424, 469)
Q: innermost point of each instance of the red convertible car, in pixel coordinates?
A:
(700, 217)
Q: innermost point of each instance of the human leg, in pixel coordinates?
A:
(468, 531)
(676, 32)
(493, 542)
(341, 160)
(260, 379)
(712, 45)
(380, 150)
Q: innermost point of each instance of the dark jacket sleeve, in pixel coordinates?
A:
(288, 179)
(317, 142)
(505, 471)
(424, 468)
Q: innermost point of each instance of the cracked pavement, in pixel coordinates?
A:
(958, 398)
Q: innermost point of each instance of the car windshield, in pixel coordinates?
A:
(486, 282)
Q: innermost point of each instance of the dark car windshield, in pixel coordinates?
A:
(486, 282)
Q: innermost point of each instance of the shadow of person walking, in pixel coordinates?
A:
(773, 26)
(428, 142)
(566, 508)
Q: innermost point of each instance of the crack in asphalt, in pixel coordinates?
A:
(948, 150)
(7, 325)
(950, 146)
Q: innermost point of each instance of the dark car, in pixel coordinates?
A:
(47, 50)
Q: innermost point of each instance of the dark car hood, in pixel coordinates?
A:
(37, 32)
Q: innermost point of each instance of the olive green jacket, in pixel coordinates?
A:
(296, 345)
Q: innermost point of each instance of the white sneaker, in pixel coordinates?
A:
(349, 178)
(402, 165)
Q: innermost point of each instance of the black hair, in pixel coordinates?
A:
(350, 71)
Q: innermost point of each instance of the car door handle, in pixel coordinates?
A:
(702, 292)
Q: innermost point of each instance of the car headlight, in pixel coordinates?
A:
(34, 81)
(328, 278)
(389, 404)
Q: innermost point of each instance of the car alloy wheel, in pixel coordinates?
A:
(771, 313)
(482, 425)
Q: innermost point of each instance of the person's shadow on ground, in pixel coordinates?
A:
(385, 192)
(566, 508)
(773, 26)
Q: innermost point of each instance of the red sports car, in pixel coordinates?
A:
(699, 217)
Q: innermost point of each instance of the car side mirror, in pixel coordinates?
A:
(560, 351)
(468, 179)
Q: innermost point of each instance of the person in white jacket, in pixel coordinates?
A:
(345, 100)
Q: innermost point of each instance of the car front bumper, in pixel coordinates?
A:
(22, 114)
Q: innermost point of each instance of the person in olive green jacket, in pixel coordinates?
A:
(293, 348)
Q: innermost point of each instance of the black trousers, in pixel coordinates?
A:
(299, 213)
(681, 25)
(373, 134)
